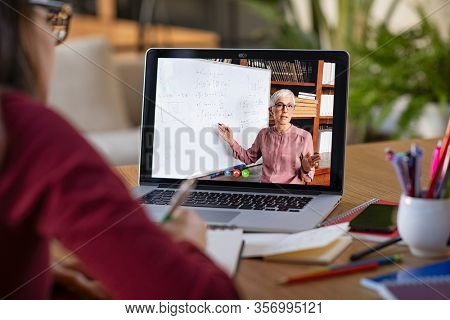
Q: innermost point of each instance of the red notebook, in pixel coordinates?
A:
(349, 215)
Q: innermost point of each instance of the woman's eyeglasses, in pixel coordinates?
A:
(58, 17)
(281, 106)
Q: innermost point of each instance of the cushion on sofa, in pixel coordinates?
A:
(86, 88)
(119, 147)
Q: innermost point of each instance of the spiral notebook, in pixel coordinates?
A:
(349, 215)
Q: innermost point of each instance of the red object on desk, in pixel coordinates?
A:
(329, 273)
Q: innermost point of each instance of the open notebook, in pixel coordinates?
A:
(317, 246)
(224, 247)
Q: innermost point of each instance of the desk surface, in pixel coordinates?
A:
(367, 176)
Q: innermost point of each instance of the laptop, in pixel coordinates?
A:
(243, 123)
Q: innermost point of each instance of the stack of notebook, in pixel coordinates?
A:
(429, 282)
(351, 214)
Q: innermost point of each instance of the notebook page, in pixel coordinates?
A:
(224, 248)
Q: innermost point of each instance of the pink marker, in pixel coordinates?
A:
(436, 156)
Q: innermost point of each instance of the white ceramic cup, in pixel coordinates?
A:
(424, 225)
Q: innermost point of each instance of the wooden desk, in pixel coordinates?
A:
(368, 175)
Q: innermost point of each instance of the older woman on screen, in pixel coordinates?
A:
(287, 151)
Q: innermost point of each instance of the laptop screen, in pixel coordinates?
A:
(244, 120)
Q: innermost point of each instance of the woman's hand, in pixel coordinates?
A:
(309, 161)
(186, 225)
(226, 133)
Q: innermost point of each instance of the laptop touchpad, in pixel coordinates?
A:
(219, 216)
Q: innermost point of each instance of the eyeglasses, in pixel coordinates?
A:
(281, 106)
(58, 17)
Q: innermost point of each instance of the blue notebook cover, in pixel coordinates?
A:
(436, 289)
(427, 272)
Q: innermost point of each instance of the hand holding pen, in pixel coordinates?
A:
(184, 224)
(185, 189)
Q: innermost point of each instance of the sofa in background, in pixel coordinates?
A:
(100, 94)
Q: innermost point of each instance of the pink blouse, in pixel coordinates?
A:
(281, 154)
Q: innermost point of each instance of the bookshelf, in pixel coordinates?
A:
(289, 71)
(315, 115)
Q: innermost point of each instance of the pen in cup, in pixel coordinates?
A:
(435, 160)
(185, 189)
(397, 162)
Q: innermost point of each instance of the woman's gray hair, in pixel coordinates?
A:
(281, 93)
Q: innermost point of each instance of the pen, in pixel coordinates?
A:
(397, 162)
(445, 140)
(442, 160)
(443, 177)
(337, 270)
(216, 174)
(418, 171)
(384, 244)
(436, 156)
(181, 196)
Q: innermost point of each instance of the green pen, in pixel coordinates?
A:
(181, 196)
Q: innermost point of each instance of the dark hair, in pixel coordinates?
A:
(17, 70)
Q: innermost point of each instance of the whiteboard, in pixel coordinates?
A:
(192, 97)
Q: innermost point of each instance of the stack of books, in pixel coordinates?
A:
(305, 105)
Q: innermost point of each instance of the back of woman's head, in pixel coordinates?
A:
(16, 64)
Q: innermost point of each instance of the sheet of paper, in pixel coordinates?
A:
(258, 245)
(224, 248)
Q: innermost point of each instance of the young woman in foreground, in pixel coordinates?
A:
(53, 185)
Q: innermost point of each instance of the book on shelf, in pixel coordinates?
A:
(310, 71)
(325, 143)
(326, 105)
(286, 71)
(306, 95)
(306, 101)
(304, 111)
(328, 73)
(430, 281)
(298, 68)
(316, 246)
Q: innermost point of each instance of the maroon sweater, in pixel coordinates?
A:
(54, 185)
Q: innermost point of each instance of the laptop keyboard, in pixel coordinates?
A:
(231, 200)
